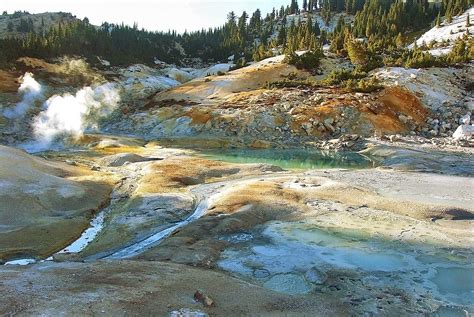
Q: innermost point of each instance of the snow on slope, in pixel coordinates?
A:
(213, 70)
(447, 32)
(303, 17)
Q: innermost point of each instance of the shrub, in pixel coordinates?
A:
(308, 61)
(241, 62)
(286, 83)
(362, 85)
(338, 75)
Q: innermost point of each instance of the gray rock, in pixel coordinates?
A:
(316, 276)
(404, 119)
(466, 119)
(289, 284)
(122, 158)
(328, 121)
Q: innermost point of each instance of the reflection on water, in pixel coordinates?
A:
(291, 158)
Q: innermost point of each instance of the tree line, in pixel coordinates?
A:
(380, 28)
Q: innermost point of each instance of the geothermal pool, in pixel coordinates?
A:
(298, 257)
(291, 158)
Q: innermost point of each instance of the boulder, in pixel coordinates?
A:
(466, 119)
(464, 132)
(44, 205)
(123, 158)
(315, 276)
(180, 75)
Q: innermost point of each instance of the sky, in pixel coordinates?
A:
(154, 15)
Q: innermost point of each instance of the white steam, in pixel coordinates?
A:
(31, 91)
(71, 115)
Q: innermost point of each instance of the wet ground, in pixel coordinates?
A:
(297, 226)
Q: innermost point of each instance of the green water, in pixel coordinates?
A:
(290, 158)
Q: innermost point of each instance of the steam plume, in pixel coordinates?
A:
(31, 91)
(72, 114)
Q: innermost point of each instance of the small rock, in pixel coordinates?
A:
(316, 276)
(394, 138)
(72, 163)
(328, 121)
(466, 119)
(198, 296)
(403, 118)
(207, 301)
(204, 299)
(463, 132)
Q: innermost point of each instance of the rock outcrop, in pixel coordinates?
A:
(44, 205)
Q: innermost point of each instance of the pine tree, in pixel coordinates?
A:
(357, 53)
(294, 7)
(438, 20)
(316, 29)
(399, 42)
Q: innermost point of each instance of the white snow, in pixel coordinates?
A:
(447, 32)
(466, 119)
(21, 262)
(104, 62)
(213, 70)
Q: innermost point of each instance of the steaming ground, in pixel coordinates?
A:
(31, 91)
(62, 115)
(257, 216)
(71, 115)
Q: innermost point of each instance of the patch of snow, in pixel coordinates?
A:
(213, 70)
(104, 62)
(21, 262)
(447, 32)
(158, 62)
(466, 119)
(440, 51)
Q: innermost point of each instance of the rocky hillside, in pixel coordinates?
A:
(237, 106)
(18, 24)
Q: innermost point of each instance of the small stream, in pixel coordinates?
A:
(142, 246)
